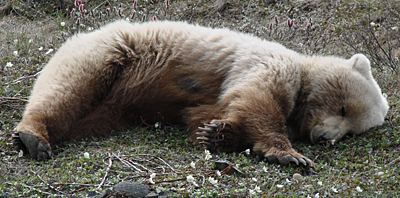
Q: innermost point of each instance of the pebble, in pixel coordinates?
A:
(298, 177)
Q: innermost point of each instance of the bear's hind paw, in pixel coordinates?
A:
(37, 149)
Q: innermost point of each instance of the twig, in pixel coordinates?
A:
(128, 164)
(392, 162)
(47, 184)
(107, 170)
(35, 189)
(16, 81)
(159, 158)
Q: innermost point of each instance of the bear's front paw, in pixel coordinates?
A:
(37, 148)
(209, 135)
(275, 155)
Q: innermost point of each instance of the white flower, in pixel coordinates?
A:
(15, 53)
(40, 48)
(218, 173)
(377, 174)
(49, 51)
(358, 189)
(265, 169)
(320, 183)
(395, 28)
(208, 155)
(372, 24)
(252, 192)
(279, 186)
(190, 179)
(30, 41)
(90, 28)
(16, 41)
(334, 190)
(257, 189)
(20, 153)
(193, 165)
(9, 64)
(316, 195)
(254, 179)
(247, 151)
(212, 180)
(152, 176)
(86, 155)
(62, 24)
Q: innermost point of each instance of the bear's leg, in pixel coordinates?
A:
(250, 121)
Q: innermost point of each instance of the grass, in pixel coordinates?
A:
(365, 165)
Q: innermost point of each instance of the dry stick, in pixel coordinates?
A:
(16, 81)
(35, 189)
(107, 170)
(159, 158)
(392, 162)
(128, 164)
(47, 184)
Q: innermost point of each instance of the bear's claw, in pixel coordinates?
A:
(293, 157)
(209, 135)
(37, 149)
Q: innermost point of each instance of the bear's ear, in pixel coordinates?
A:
(361, 63)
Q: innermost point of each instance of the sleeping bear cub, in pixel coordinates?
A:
(233, 90)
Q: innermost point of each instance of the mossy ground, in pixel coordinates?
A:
(364, 165)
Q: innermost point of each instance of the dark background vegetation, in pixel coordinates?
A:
(365, 165)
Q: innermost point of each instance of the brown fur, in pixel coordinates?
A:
(255, 92)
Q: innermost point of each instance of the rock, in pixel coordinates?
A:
(91, 194)
(298, 177)
(131, 189)
(107, 192)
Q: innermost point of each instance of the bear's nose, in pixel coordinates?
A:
(323, 138)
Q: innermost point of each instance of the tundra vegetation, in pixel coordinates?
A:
(161, 156)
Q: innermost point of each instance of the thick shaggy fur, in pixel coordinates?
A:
(251, 93)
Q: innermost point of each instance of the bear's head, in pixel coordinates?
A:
(343, 99)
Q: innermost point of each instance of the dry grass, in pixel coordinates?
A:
(363, 166)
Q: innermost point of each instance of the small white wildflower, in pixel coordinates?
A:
(265, 169)
(395, 28)
(212, 180)
(208, 155)
(334, 190)
(90, 28)
(152, 176)
(40, 48)
(358, 189)
(247, 151)
(30, 41)
(316, 195)
(9, 64)
(379, 173)
(20, 153)
(288, 181)
(218, 173)
(254, 179)
(82, 25)
(190, 179)
(258, 189)
(252, 192)
(86, 155)
(279, 186)
(62, 24)
(49, 51)
(15, 41)
(193, 165)
(372, 24)
(15, 53)
(320, 183)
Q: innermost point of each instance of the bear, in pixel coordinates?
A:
(234, 91)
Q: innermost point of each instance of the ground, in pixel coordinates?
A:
(365, 165)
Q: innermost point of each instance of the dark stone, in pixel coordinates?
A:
(91, 194)
(131, 189)
(222, 164)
